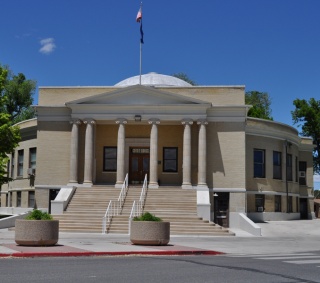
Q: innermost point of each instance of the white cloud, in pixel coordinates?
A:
(48, 45)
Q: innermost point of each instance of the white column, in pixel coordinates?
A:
(202, 153)
(88, 154)
(153, 179)
(203, 198)
(120, 152)
(186, 163)
(74, 151)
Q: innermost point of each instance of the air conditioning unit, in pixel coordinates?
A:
(302, 174)
(31, 171)
(260, 209)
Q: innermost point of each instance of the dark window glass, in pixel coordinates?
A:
(289, 167)
(259, 164)
(277, 165)
(110, 159)
(302, 173)
(20, 163)
(170, 159)
(277, 203)
(259, 203)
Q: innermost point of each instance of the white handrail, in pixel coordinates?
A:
(137, 207)
(114, 207)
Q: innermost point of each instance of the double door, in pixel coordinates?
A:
(139, 159)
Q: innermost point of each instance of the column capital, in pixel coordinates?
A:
(202, 122)
(121, 121)
(75, 121)
(154, 121)
(89, 121)
(187, 122)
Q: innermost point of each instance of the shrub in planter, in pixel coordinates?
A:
(148, 229)
(38, 229)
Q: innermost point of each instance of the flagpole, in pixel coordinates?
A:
(140, 48)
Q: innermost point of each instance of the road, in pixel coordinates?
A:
(282, 268)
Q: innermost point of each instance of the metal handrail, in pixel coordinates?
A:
(115, 206)
(137, 207)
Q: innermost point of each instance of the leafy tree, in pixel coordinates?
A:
(184, 77)
(307, 113)
(260, 102)
(17, 97)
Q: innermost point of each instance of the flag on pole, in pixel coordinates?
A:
(139, 20)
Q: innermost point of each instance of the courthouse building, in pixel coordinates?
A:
(190, 137)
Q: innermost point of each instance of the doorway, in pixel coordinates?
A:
(221, 209)
(303, 208)
(139, 160)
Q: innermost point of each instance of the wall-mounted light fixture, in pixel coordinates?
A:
(215, 194)
(137, 118)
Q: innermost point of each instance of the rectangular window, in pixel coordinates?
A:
(19, 199)
(297, 169)
(31, 199)
(110, 159)
(259, 203)
(32, 157)
(20, 163)
(289, 167)
(259, 163)
(290, 204)
(277, 203)
(302, 173)
(170, 159)
(277, 165)
(12, 165)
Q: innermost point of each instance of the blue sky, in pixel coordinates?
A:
(266, 45)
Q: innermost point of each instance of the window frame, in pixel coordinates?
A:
(277, 167)
(105, 160)
(33, 152)
(262, 164)
(289, 167)
(164, 163)
(20, 163)
(260, 197)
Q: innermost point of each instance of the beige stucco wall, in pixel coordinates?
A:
(226, 155)
(53, 153)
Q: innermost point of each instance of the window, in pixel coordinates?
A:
(110, 159)
(259, 164)
(290, 204)
(32, 157)
(289, 167)
(12, 165)
(20, 163)
(302, 173)
(259, 203)
(19, 199)
(277, 165)
(170, 159)
(31, 199)
(277, 203)
(297, 169)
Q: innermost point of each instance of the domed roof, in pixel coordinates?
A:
(154, 79)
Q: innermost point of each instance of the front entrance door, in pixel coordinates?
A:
(139, 164)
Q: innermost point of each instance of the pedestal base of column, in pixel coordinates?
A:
(186, 186)
(87, 184)
(153, 186)
(118, 185)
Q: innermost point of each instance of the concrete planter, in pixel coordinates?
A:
(36, 232)
(150, 233)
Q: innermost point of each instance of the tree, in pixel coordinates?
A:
(307, 113)
(17, 97)
(260, 102)
(184, 77)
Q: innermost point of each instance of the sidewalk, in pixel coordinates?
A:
(277, 237)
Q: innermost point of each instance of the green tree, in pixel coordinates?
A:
(9, 135)
(307, 116)
(184, 77)
(17, 97)
(260, 102)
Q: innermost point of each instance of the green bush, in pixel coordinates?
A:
(147, 216)
(37, 214)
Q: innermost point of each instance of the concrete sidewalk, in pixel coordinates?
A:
(277, 237)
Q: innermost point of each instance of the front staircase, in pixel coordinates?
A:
(88, 206)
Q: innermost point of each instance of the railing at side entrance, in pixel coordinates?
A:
(137, 207)
(115, 206)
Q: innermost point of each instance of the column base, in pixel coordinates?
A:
(118, 185)
(186, 186)
(87, 184)
(153, 185)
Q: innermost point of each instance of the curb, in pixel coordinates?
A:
(81, 254)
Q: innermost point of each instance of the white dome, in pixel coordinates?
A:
(154, 79)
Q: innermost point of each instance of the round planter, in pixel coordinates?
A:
(36, 232)
(150, 233)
